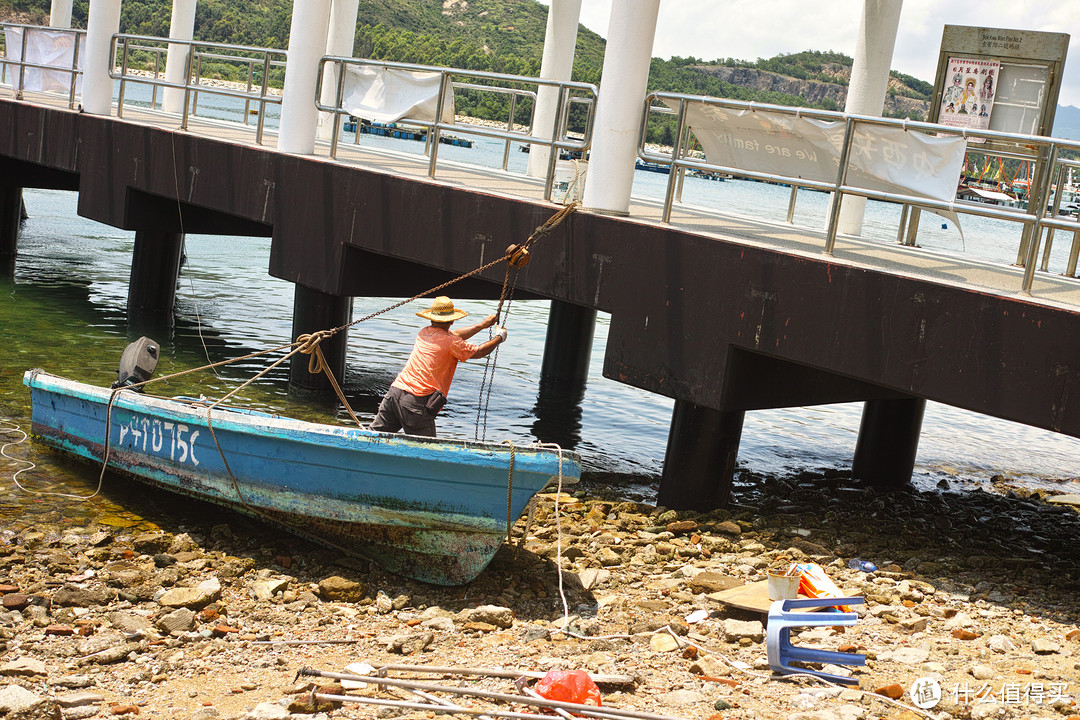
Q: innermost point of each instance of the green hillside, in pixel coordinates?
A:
(504, 36)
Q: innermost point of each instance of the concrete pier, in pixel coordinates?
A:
(155, 270)
(313, 311)
(888, 441)
(699, 465)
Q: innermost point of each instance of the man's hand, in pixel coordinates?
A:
(501, 334)
(488, 321)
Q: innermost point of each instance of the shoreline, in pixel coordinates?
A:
(139, 611)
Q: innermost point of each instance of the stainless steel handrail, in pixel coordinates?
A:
(1034, 218)
(74, 71)
(123, 45)
(569, 93)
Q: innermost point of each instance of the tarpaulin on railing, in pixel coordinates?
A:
(54, 48)
(386, 95)
(885, 159)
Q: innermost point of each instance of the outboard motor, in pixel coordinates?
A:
(137, 364)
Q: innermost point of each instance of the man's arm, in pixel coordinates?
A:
(485, 348)
(467, 332)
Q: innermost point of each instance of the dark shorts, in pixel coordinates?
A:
(401, 410)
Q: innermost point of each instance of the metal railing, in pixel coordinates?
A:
(13, 72)
(1035, 218)
(516, 87)
(257, 62)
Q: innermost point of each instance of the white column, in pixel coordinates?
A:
(60, 14)
(622, 92)
(307, 41)
(869, 82)
(557, 63)
(181, 27)
(102, 23)
(339, 42)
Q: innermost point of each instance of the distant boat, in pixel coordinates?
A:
(431, 509)
(393, 130)
(652, 167)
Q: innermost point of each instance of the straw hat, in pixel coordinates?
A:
(442, 310)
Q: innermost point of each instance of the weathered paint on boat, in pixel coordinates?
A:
(427, 508)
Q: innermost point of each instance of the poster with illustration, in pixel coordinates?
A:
(970, 86)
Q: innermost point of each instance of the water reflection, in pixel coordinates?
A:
(558, 413)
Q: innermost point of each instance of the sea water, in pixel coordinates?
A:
(64, 311)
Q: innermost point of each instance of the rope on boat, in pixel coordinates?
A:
(515, 257)
(510, 491)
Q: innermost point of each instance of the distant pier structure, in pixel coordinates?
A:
(724, 316)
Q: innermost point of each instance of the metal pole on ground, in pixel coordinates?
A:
(102, 23)
(60, 14)
(314, 310)
(340, 39)
(556, 64)
(181, 27)
(869, 83)
(307, 41)
(699, 464)
(610, 179)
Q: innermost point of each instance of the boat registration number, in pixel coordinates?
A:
(161, 437)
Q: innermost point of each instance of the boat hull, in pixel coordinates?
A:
(431, 509)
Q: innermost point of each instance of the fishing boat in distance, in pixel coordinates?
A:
(432, 509)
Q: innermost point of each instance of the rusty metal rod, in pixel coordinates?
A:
(406, 705)
(501, 672)
(577, 708)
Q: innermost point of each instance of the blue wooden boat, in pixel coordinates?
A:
(432, 509)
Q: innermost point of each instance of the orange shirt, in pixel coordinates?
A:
(433, 360)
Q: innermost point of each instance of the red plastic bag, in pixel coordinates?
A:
(574, 686)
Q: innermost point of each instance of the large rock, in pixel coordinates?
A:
(23, 667)
(736, 630)
(152, 543)
(265, 711)
(179, 621)
(502, 617)
(131, 624)
(18, 703)
(80, 597)
(267, 589)
(338, 589)
(194, 598)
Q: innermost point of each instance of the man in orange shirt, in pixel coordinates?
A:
(419, 392)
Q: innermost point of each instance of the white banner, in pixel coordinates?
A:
(54, 48)
(387, 94)
(885, 159)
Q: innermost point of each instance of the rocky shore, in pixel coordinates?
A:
(194, 613)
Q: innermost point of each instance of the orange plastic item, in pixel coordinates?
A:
(574, 686)
(816, 584)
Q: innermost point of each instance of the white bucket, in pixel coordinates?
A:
(568, 185)
(784, 587)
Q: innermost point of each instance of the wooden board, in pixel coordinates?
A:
(751, 596)
(1065, 500)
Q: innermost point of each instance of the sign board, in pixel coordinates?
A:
(1027, 67)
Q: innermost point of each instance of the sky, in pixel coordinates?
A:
(749, 29)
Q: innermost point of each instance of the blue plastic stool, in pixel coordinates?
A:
(778, 645)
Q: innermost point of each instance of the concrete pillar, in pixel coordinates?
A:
(339, 41)
(699, 464)
(11, 209)
(568, 344)
(102, 23)
(557, 63)
(888, 441)
(622, 92)
(869, 83)
(60, 14)
(307, 41)
(314, 310)
(155, 270)
(181, 27)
